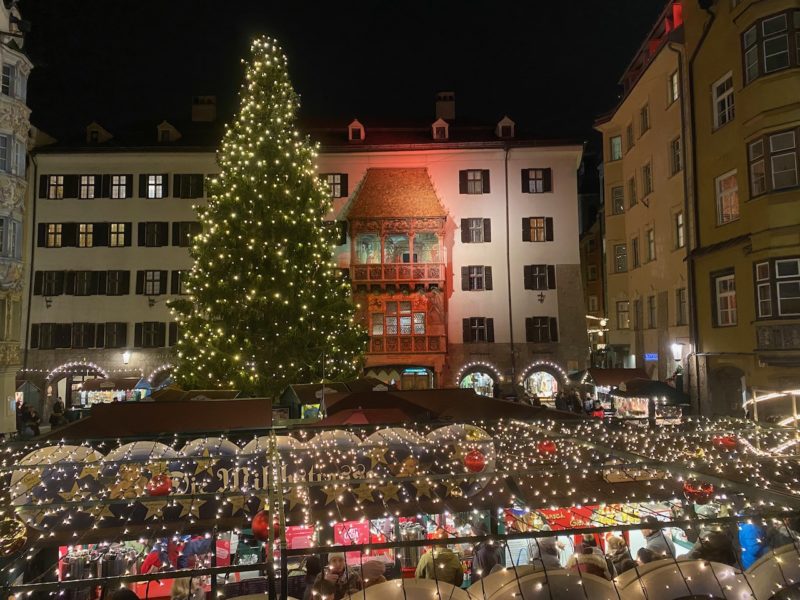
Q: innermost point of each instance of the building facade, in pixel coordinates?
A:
(743, 59)
(593, 278)
(14, 141)
(461, 244)
(645, 222)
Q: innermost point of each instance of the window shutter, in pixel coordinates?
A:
(101, 283)
(100, 234)
(176, 233)
(174, 285)
(98, 186)
(69, 287)
(528, 329)
(142, 233)
(38, 283)
(137, 335)
(343, 179)
(105, 189)
(526, 229)
(528, 276)
(162, 335)
(547, 183)
(34, 342)
(162, 280)
(173, 333)
(487, 230)
(526, 188)
(487, 278)
(548, 229)
(71, 186)
(64, 335)
(551, 277)
(42, 189)
(465, 278)
(490, 330)
(176, 185)
(485, 176)
(100, 336)
(140, 282)
(163, 233)
(59, 283)
(465, 231)
(41, 235)
(128, 233)
(122, 334)
(165, 179)
(125, 286)
(129, 186)
(342, 232)
(553, 329)
(466, 332)
(69, 234)
(142, 186)
(462, 182)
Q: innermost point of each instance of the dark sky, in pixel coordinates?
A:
(550, 65)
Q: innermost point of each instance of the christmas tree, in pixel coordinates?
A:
(267, 305)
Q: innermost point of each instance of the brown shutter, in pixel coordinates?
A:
(165, 179)
(101, 282)
(34, 342)
(59, 283)
(490, 330)
(173, 333)
(528, 329)
(137, 335)
(466, 332)
(142, 186)
(174, 285)
(69, 234)
(122, 328)
(41, 235)
(100, 234)
(487, 278)
(71, 186)
(69, 286)
(100, 335)
(105, 190)
(551, 277)
(528, 276)
(42, 194)
(343, 179)
(162, 334)
(129, 186)
(485, 182)
(526, 188)
(128, 233)
(163, 233)
(176, 186)
(526, 229)
(140, 282)
(176, 233)
(462, 182)
(465, 278)
(548, 180)
(548, 229)
(63, 335)
(162, 282)
(342, 232)
(487, 230)
(38, 283)
(465, 231)
(142, 231)
(553, 329)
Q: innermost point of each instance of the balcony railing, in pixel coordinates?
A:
(398, 272)
(778, 337)
(394, 344)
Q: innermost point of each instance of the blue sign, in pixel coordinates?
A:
(651, 357)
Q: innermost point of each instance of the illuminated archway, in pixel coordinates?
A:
(70, 367)
(158, 371)
(543, 379)
(479, 376)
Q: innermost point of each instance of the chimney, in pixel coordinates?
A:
(204, 109)
(446, 105)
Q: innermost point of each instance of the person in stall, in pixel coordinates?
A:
(345, 581)
(713, 544)
(586, 561)
(486, 555)
(543, 552)
(619, 555)
(188, 588)
(658, 542)
(441, 563)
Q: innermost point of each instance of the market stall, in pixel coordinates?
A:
(116, 389)
(649, 400)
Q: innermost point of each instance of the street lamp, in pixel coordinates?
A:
(126, 357)
(677, 352)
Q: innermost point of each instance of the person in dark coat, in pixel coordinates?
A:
(657, 541)
(619, 555)
(561, 401)
(644, 556)
(313, 568)
(715, 546)
(485, 555)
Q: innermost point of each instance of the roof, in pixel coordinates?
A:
(364, 416)
(614, 377)
(309, 393)
(389, 193)
(110, 384)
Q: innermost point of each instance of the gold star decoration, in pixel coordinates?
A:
(204, 463)
(102, 511)
(330, 493)
(237, 503)
(458, 453)
(295, 497)
(189, 507)
(363, 493)
(408, 468)
(158, 467)
(90, 470)
(377, 456)
(130, 483)
(389, 491)
(154, 507)
(72, 493)
(424, 488)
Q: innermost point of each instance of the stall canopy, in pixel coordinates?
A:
(608, 377)
(653, 389)
(110, 384)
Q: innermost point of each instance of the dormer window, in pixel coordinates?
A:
(94, 136)
(163, 135)
(167, 133)
(505, 128)
(441, 130)
(355, 131)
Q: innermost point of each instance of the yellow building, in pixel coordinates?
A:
(743, 67)
(645, 237)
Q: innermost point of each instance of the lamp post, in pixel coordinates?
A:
(677, 356)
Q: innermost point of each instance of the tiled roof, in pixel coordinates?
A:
(389, 193)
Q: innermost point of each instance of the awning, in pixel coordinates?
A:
(111, 384)
(647, 388)
(612, 377)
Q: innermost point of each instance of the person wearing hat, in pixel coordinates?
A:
(345, 582)
(441, 563)
(619, 555)
(372, 572)
(655, 539)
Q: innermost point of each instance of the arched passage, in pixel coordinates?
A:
(543, 379)
(65, 382)
(479, 376)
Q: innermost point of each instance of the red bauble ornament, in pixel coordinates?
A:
(725, 442)
(260, 527)
(699, 492)
(159, 485)
(547, 447)
(475, 461)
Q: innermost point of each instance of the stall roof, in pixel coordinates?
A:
(612, 377)
(111, 384)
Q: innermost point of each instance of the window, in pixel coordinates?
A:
(723, 100)
(474, 181)
(54, 231)
(537, 181)
(591, 273)
(615, 147)
(116, 335)
(153, 285)
(5, 152)
(337, 184)
(117, 283)
(478, 329)
(647, 180)
(377, 324)
(635, 256)
(537, 229)
(476, 230)
(673, 87)
(725, 297)
(83, 283)
(119, 186)
(85, 235)
(675, 162)
(539, 277)
(180, 282)
(620, 258)
(783, 160)
(623, 314)
(188, 185)
(86, 186)
(18, 158)
(12, 155)
(151, 334)
(763, 289)
(727, 198)
(183, 233)
(651, 312)
(629, 136)
(155, 185)
(539, 330)
(116, 236)
(8, 80)
(14, 249)
(398, 319)
(83, 335)
(153, 233)
(680, 230)
(475, 278)
(52, 283)
(593, 304)
(650, 236)
(632, 199)
(758, 174)
(767, 46)
(681, 307)
(55, 187)
(644, 119)
(440, 133)
(787, 274)
(617, 200)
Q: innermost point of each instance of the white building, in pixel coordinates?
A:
(461, 244)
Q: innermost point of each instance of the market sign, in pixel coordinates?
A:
(651, 357)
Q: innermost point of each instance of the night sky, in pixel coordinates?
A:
(551, 66)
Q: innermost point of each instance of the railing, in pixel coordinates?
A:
(407, 343)
(778, 337)
(398, 272)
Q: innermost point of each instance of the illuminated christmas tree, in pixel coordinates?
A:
(267, 306)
